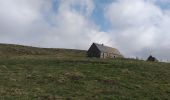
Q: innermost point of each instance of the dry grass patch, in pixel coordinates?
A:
(74, 75)
(109, 80)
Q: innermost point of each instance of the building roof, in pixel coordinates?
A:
(104, 48)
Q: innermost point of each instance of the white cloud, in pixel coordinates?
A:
(27, 22)
(17, 16)
(139, 25)
(73, 29)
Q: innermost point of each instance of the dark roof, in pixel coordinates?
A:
(151, 58)
(104, 48)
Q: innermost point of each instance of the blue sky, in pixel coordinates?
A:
(98, 14)
(135, 27)
(164, 4)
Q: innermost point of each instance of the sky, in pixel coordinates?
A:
(137, 28)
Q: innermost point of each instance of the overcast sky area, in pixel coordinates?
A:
(137, 28)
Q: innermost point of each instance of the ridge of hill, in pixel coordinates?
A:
(20, 50)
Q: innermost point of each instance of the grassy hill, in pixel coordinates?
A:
(11, 50)
(28, 73)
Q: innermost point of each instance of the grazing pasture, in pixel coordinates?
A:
(62, 74)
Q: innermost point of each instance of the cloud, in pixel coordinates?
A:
(17, 18)
(139, 27)
(72, 27)
(37, 23)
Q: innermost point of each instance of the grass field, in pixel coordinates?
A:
(28, 73)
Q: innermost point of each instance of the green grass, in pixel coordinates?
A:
(10, 50)
(68, 77)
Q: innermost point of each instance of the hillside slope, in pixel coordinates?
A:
(80, 78)
(19, 50)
